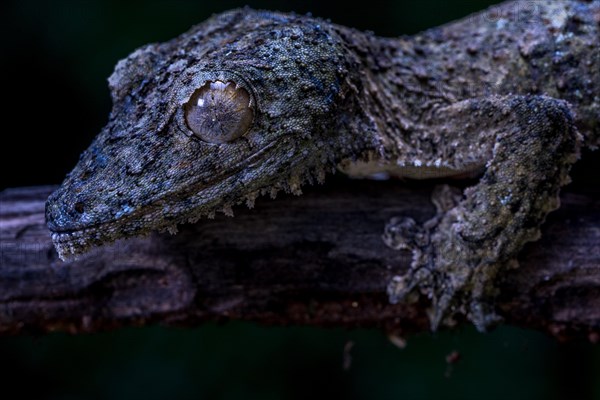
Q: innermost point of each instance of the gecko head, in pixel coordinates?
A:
(242, 105)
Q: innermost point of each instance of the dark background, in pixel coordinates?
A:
(55, 58)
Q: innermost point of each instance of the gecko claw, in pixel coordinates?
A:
(439, 310)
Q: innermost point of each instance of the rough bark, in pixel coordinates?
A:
(316, 259)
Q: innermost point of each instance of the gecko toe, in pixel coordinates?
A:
(440, 308)
(404, 233)
(400, 287)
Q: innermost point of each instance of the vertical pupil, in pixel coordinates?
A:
(219, 112)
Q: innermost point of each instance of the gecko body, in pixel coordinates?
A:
(250, 103)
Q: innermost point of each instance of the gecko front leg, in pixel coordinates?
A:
(458, 254)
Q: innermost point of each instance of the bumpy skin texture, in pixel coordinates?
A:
(513, 92)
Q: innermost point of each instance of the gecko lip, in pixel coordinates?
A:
(67, 235)
(73, 241)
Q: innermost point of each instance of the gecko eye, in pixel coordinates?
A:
(219, 112)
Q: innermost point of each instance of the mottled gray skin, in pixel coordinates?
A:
(512, 92)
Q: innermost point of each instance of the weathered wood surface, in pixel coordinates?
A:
(315, 259)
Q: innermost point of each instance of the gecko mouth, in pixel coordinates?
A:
(70, 242)
(164, 214)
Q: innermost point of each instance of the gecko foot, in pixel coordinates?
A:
(451, 288)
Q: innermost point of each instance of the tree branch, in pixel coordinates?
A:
(316, 259)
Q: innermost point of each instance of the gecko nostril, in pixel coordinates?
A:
(78, 207)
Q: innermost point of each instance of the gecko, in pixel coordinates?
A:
(251, 103)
